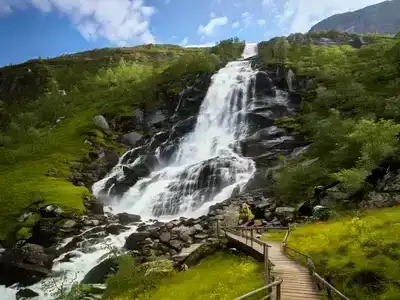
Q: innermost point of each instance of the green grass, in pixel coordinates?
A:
(274, 235)
(361, 253)
(221, 276)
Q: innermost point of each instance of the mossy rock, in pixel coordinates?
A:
(23, 234)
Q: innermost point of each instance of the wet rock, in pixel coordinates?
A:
(26, 294)
(51, 211)
(156, 117)
(25, 265)
(264, 85)
(100, 272)
(125, 218)
(44, 233)
(69, 224)
(101, 122)
(257, 148)
(134, 240)
(116, 229)
(131, 139)
(95, 206)
(69, 256)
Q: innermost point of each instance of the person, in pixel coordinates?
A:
(245, 215)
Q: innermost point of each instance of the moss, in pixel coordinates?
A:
(360, 253)
(23, 234)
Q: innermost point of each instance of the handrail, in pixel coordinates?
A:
(243, 231)
(311, 268)
(276, 283)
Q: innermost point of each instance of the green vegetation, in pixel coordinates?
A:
(359, 253)
(47, 109)
(222, 276)
(349, 109)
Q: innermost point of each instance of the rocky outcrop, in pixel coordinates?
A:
(101, 122)
(24, 264)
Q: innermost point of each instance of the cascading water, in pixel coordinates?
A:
(207, 165)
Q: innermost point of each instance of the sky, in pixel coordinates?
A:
(49, 28)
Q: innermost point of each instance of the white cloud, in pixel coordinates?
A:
(300, 15)
(236, 24)
(247, 18)
(212, 25)
(119, 21)
(185, 41)
(262, 22)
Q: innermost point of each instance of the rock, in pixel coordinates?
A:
(69, 256)
(378, 200)
(116, 229)
(25, 294)
(133, 241)
(95, 206)
(176, 244)
(69, 224)
(111, 159)
(101, 122)
(200, 251)
(97, 289)
(156, 117)
(197, 228)
(183, 232)
(257, 148)
(125, 218)
(264, 85)
(200, 237)
(100, 272)
(290, 80)
(25, 265)
(51, 211)
(165, 237)
(285, 214)
(44, 233)
(131, 139)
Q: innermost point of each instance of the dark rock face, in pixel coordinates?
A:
(125, 218)
(25, 265)
(134, 240)
(100, 272)
(44, 233)
(264, 85)
(25, 294)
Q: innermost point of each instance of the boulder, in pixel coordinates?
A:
(100, 122)
(176, 244)
(125, 218)
(264, 85)
(285, 214)
(44, 233)
(165, 237)
(133, 241)
(26, 294)
(131, 139)
(155, 118)
(376, 199)
(100, 272)
(50, 211)
(199, 252)
(25, 265)
(69, 224)
(116, 229)
(95, 206)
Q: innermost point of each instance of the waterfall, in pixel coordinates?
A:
(207, 165)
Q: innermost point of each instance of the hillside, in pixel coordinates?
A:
(379, 18)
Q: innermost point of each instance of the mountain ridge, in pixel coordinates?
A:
(383, 17)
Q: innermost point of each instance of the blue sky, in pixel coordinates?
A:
(48, 28)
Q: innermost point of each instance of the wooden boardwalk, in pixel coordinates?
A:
(297, 282)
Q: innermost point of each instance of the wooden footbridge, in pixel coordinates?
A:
(285, 279)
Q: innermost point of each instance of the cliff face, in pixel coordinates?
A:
(379, 18)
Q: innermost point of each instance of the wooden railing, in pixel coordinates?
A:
(322, 284)
(248, 234)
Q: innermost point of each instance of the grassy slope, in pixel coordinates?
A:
(361, 253)
(24, 164)
(222, 276)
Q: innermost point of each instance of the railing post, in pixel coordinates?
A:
(252, 237)
(266, 265)
(278, 292)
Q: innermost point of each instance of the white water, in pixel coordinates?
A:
(173, 190)
(219, 125)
